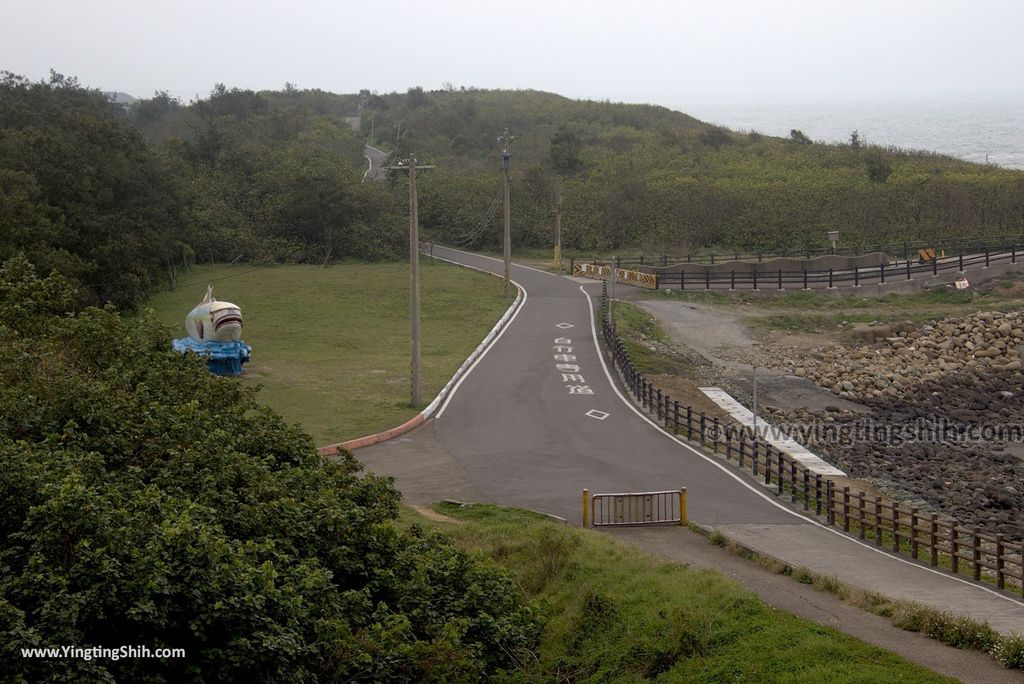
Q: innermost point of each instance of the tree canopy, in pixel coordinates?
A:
(144, 501)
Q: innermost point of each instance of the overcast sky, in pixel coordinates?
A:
(622, 50)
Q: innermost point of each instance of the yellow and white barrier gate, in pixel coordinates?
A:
(623, 276)
(635, 508)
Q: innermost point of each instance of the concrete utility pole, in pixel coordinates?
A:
(506, 166)
(409, 165)
(558, 232)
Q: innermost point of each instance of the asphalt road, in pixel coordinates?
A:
(517, 431)
(375, 159)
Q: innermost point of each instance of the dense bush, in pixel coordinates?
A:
(145, 502)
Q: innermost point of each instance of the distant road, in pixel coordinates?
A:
(376, 159)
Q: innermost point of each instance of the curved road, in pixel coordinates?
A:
(375, 162)
(515, 433)
(517, 430)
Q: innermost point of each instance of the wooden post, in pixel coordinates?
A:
(954, 549)
(861, 532)
(829, 511)
(1000, 575)
(976, 553)
(933, 528)
(896, 526)
(878, 520)
(817, 494)
(913, 533)
(586, 508)
(846, 509)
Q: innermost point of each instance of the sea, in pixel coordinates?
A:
(982, 129)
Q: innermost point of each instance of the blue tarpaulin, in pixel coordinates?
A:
(222, 358)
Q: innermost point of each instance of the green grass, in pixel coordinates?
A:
(331, 345)
(810, 311)
(636, 328)
(613, 613)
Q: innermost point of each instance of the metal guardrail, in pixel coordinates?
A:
(635, 508)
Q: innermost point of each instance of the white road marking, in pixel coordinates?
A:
(594, 413)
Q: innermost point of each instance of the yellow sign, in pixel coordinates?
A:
(622, 275)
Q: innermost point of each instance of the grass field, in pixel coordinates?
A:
(331, 345)
(613, 613)
(815, 312)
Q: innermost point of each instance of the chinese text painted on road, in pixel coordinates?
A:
(567, 367)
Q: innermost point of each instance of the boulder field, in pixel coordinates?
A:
(944, 426)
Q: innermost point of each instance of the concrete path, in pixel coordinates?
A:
(782, 592)
(539, 418)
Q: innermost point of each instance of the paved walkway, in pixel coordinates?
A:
(539, 418)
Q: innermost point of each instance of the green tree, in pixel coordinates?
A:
(144, 501)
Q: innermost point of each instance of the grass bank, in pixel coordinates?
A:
(331, 345)
(613, 613)
(815, 312)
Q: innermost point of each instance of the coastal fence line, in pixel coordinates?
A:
(907, 249)
(807, 279)
(944, 542)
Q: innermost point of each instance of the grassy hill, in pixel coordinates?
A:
(331, 345)
(646, 176)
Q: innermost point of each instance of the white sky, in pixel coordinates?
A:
(634, 51)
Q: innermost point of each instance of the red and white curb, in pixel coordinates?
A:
(449, 389)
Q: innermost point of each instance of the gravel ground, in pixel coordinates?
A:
(914, 411)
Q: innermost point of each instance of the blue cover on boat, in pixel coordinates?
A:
(222, 358)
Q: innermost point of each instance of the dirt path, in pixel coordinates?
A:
(721, 337)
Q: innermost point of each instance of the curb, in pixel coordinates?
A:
(425, 414)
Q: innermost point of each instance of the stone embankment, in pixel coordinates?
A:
(945, 408)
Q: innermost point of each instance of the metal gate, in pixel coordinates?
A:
(635, 508)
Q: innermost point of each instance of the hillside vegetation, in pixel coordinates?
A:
(615, 614)
(645, 176)
(121, 197)
(145, 501)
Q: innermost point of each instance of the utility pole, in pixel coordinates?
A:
(506, 166)
(409, 165)
(558, 232)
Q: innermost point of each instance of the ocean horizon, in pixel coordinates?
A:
(981, 129)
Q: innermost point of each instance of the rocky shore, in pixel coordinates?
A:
(944, 420)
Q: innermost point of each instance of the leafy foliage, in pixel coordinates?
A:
(656, 179)
(119, 200)
(81, 192)
(143, 501)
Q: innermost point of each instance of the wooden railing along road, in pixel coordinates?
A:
(924, 536)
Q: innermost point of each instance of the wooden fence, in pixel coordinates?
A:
(943, 542)
(905, 250)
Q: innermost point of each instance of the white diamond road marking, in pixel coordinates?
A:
(564, 326)
(600, 415)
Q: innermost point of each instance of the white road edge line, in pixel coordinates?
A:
(627, 402)
(487, 346)
(484, 256)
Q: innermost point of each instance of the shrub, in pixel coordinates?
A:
(144, 501)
